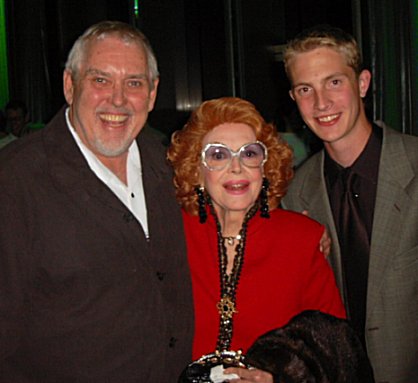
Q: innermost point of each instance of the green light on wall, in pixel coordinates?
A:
(136, 8)
(414, 66)
(4, 79)
(414, 21)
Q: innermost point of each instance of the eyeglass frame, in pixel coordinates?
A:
(233, 154)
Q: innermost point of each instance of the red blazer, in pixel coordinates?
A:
(283, 274)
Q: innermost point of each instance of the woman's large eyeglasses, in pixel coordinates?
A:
(218, 156)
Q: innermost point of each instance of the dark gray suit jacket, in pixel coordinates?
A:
(84, 296)
(392, 298)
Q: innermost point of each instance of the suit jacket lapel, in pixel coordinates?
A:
(69, 169)
(392, 200)
(318, 206)
(153, 176)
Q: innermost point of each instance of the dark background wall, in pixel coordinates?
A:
(213, 48)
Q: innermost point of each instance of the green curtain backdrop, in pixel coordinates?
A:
(4, 80)
(392, 44)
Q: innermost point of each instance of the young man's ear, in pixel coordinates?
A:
(364, 82)
(291, 94)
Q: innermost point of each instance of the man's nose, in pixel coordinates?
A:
(322, 101)
(118, 95)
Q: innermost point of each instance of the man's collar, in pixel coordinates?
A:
(366, 163)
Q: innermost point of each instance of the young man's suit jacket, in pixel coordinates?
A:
(392, 299)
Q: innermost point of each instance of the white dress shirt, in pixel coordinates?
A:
(132, 195)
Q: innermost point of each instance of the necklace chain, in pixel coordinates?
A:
(229, 283)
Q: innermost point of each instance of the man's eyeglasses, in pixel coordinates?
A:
(218, 156)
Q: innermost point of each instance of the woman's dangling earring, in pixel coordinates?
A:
(201, 200)
(264, 201)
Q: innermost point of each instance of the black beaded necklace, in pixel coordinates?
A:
(229, 283)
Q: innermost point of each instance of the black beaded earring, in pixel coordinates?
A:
(201, 200)
(264, 202)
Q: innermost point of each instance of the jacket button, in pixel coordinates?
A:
(128, 217)
(160, 275)
(172, 342)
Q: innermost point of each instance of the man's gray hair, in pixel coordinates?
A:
(125, 32)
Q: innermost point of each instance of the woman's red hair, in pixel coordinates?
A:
(186, 146)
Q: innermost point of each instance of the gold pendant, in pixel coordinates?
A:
(226, 307)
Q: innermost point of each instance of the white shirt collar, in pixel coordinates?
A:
(132, 194)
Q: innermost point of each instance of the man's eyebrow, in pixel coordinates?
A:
(336, 74)
(301, 83)
(94, 71)
(138, 75)
(325, 79)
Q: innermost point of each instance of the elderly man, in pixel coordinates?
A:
(94, 282)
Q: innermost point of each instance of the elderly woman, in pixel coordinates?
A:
(253, 265)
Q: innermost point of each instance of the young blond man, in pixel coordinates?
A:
(378, 276)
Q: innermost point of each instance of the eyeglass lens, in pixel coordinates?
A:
(219, 156)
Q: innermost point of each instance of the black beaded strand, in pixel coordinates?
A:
(229, 283)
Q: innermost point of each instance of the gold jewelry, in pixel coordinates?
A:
(231, 240)
(226, 305)
(200, 370)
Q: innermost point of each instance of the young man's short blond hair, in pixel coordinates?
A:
(324, 36)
